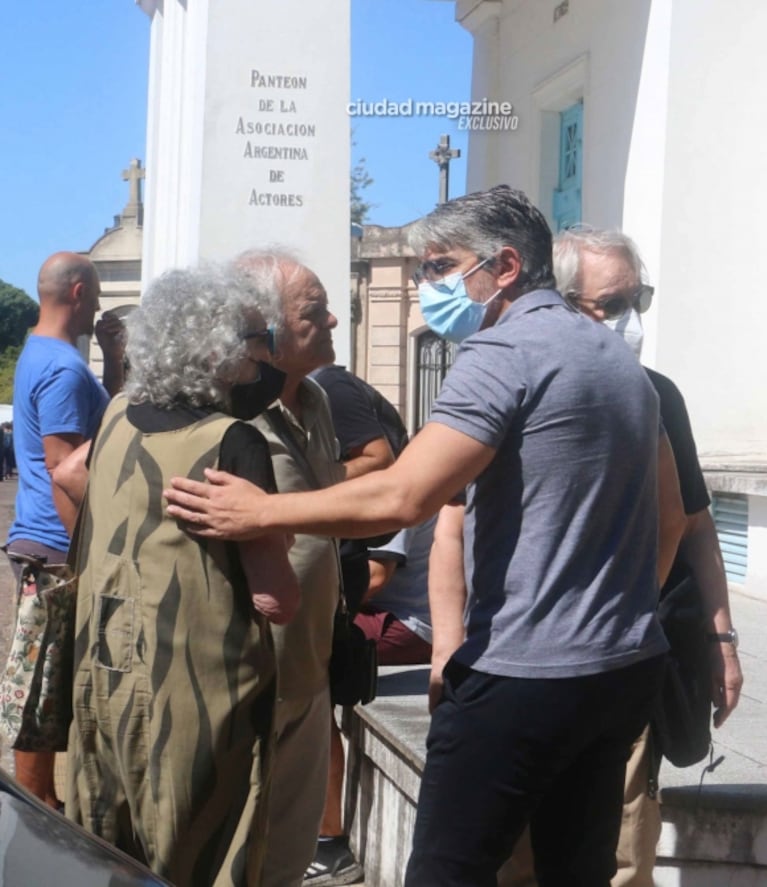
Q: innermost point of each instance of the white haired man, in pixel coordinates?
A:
(601, 274)
(304, 342)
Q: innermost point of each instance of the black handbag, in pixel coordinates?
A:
(681, 724)
(355, 572)
(353, 666)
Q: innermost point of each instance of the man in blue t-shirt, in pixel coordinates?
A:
(58, 404)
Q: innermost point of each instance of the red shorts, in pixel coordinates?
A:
(396, 643)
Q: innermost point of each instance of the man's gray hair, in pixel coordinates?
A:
(271, 270)
(570, 244)
(486, 221)
(185, 342)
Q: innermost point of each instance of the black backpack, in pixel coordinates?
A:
(389, 419)
(354, 552)
(681, 723)
(391, 422)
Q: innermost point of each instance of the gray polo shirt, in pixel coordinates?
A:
(561, 528)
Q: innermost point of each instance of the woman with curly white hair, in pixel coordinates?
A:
(174, 664)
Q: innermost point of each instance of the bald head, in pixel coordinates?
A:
(68, 286)
(62, 271)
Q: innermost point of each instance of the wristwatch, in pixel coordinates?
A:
(725, 637)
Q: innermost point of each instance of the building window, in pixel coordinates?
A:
(119, 271)
(731, 519)
(434, 358)
(567, 196)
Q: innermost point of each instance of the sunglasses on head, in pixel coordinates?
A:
(615, 306)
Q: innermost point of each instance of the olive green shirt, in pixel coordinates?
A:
(303, 645)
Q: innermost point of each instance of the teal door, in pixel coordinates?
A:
(567, 197)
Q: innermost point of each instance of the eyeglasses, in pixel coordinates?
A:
(438, 269)
(615, 306)
(267, 335)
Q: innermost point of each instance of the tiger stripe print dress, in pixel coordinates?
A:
(174, 684)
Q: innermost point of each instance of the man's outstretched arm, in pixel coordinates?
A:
(437, 464)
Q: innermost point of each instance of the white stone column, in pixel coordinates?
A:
(482, 20)
(248, 136)
(645, 168)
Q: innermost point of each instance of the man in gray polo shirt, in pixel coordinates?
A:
(555, 427)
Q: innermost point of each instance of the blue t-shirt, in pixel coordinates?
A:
(54, 392)
(406, 594)
(560, 535)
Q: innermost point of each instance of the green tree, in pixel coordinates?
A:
(8, 360)
(17, 314)
(359, 179)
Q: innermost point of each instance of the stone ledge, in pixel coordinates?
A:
(727, 473)
(747, 483)
(714, 836)
(733, 798)
(719, 831)
(399, 714)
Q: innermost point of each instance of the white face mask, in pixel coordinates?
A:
(629, 327)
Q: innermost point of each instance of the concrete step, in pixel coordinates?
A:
(714, 834)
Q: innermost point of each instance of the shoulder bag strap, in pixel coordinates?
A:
(282, 430)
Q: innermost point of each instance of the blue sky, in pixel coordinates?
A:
(432, 62)
(73, 112)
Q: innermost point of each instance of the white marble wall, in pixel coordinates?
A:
(248, 136)
(672, 154)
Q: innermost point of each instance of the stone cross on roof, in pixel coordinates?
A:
(133, 175)
(442, 155)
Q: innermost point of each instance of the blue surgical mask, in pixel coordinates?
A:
(448, 309)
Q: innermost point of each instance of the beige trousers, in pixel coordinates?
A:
(640, 827)
(299, 781)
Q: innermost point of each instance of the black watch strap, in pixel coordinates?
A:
(726, 637)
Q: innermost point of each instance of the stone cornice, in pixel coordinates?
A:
(473, 14)
(148, 6)
(379, 242)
